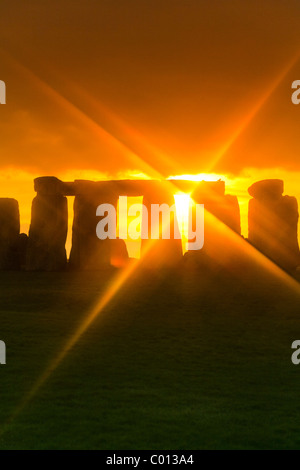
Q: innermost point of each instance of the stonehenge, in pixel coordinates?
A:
(273, 220)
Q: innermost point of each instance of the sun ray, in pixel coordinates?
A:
(112, 290)
(251, 114)
(73, 110)
(112, 129)
(229, 236)
(243, 247)
(126, 133)
(124, 275)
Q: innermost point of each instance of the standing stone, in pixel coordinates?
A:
(222, 225)
(161, 252)
(273, 223)
(222, 206)
(9, 233)
(118, 253)
(88, 251)
(22, 245)
(49, 225)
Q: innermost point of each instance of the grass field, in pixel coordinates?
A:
(177, 360)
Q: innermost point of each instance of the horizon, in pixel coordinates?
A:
(236, 186)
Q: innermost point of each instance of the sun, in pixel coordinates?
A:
(182, 203)
(200, 177)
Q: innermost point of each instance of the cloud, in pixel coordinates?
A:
(177, 78)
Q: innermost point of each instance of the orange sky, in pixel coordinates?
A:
(107, 89)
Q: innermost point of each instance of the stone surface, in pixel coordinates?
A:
(88, 252)
(49, 186)
(9, 233)
(156, 253)
(222, 226)
(48, 232)
(273, 229)
(21, 251)
(267, 189)
(118, 253)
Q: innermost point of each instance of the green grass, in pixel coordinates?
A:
(178, 360)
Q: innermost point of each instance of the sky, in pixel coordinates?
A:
(102, 89)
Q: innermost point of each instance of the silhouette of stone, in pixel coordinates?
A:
(273, 224)
(221, 219)
(49, 186)
(222, 206)
(267, 189)
(161, 252)
(211, 190)
(68, 188)
(231, 213)
(118, 253)
(88, 251)
(227, 210)
(9, 233)
(48, 231)
(22, 244)
(134, 188)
